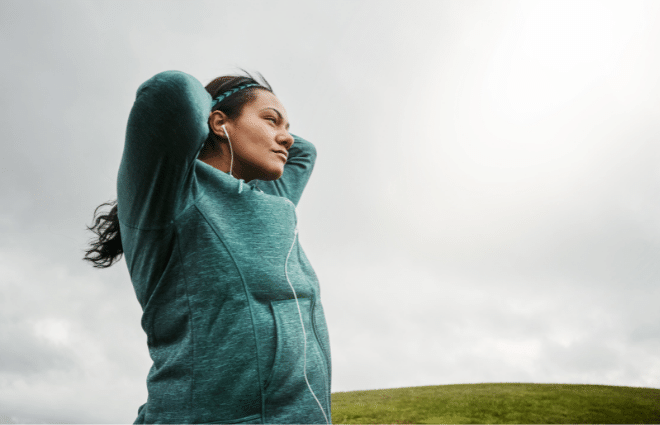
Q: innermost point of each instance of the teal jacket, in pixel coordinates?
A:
(224, 285)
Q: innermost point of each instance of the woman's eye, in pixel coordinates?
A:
(272, 119)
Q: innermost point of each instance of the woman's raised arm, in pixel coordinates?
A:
(167, 127)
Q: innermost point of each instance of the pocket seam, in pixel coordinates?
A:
(278, 348)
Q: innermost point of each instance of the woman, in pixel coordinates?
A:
(205, 215)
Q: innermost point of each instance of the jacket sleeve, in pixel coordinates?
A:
(167, 127)
(297, 171)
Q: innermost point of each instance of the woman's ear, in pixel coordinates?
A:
(216, 120)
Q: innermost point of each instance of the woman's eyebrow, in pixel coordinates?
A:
(280, 115)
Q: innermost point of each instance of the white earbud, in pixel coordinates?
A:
(231, 167)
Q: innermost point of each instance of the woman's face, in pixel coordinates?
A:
(256, 135)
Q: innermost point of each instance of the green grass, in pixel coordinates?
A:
(500, 404)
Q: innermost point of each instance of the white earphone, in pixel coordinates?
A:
(302, 325)
(231, 167)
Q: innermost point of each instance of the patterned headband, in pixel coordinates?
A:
(228, 93)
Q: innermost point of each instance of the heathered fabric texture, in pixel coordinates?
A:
(206, 253)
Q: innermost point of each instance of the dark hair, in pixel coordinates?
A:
(107, 249)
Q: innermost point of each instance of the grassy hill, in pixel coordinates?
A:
(498, 403)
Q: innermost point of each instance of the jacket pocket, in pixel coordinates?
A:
(292, 358)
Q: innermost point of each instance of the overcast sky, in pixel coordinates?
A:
(484, 206)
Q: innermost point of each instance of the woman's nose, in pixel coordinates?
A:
(287, 140)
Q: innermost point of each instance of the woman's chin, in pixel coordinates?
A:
(273, 173)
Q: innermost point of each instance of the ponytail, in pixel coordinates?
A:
(107, 249)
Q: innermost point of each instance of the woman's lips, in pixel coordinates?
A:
(281, 155)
